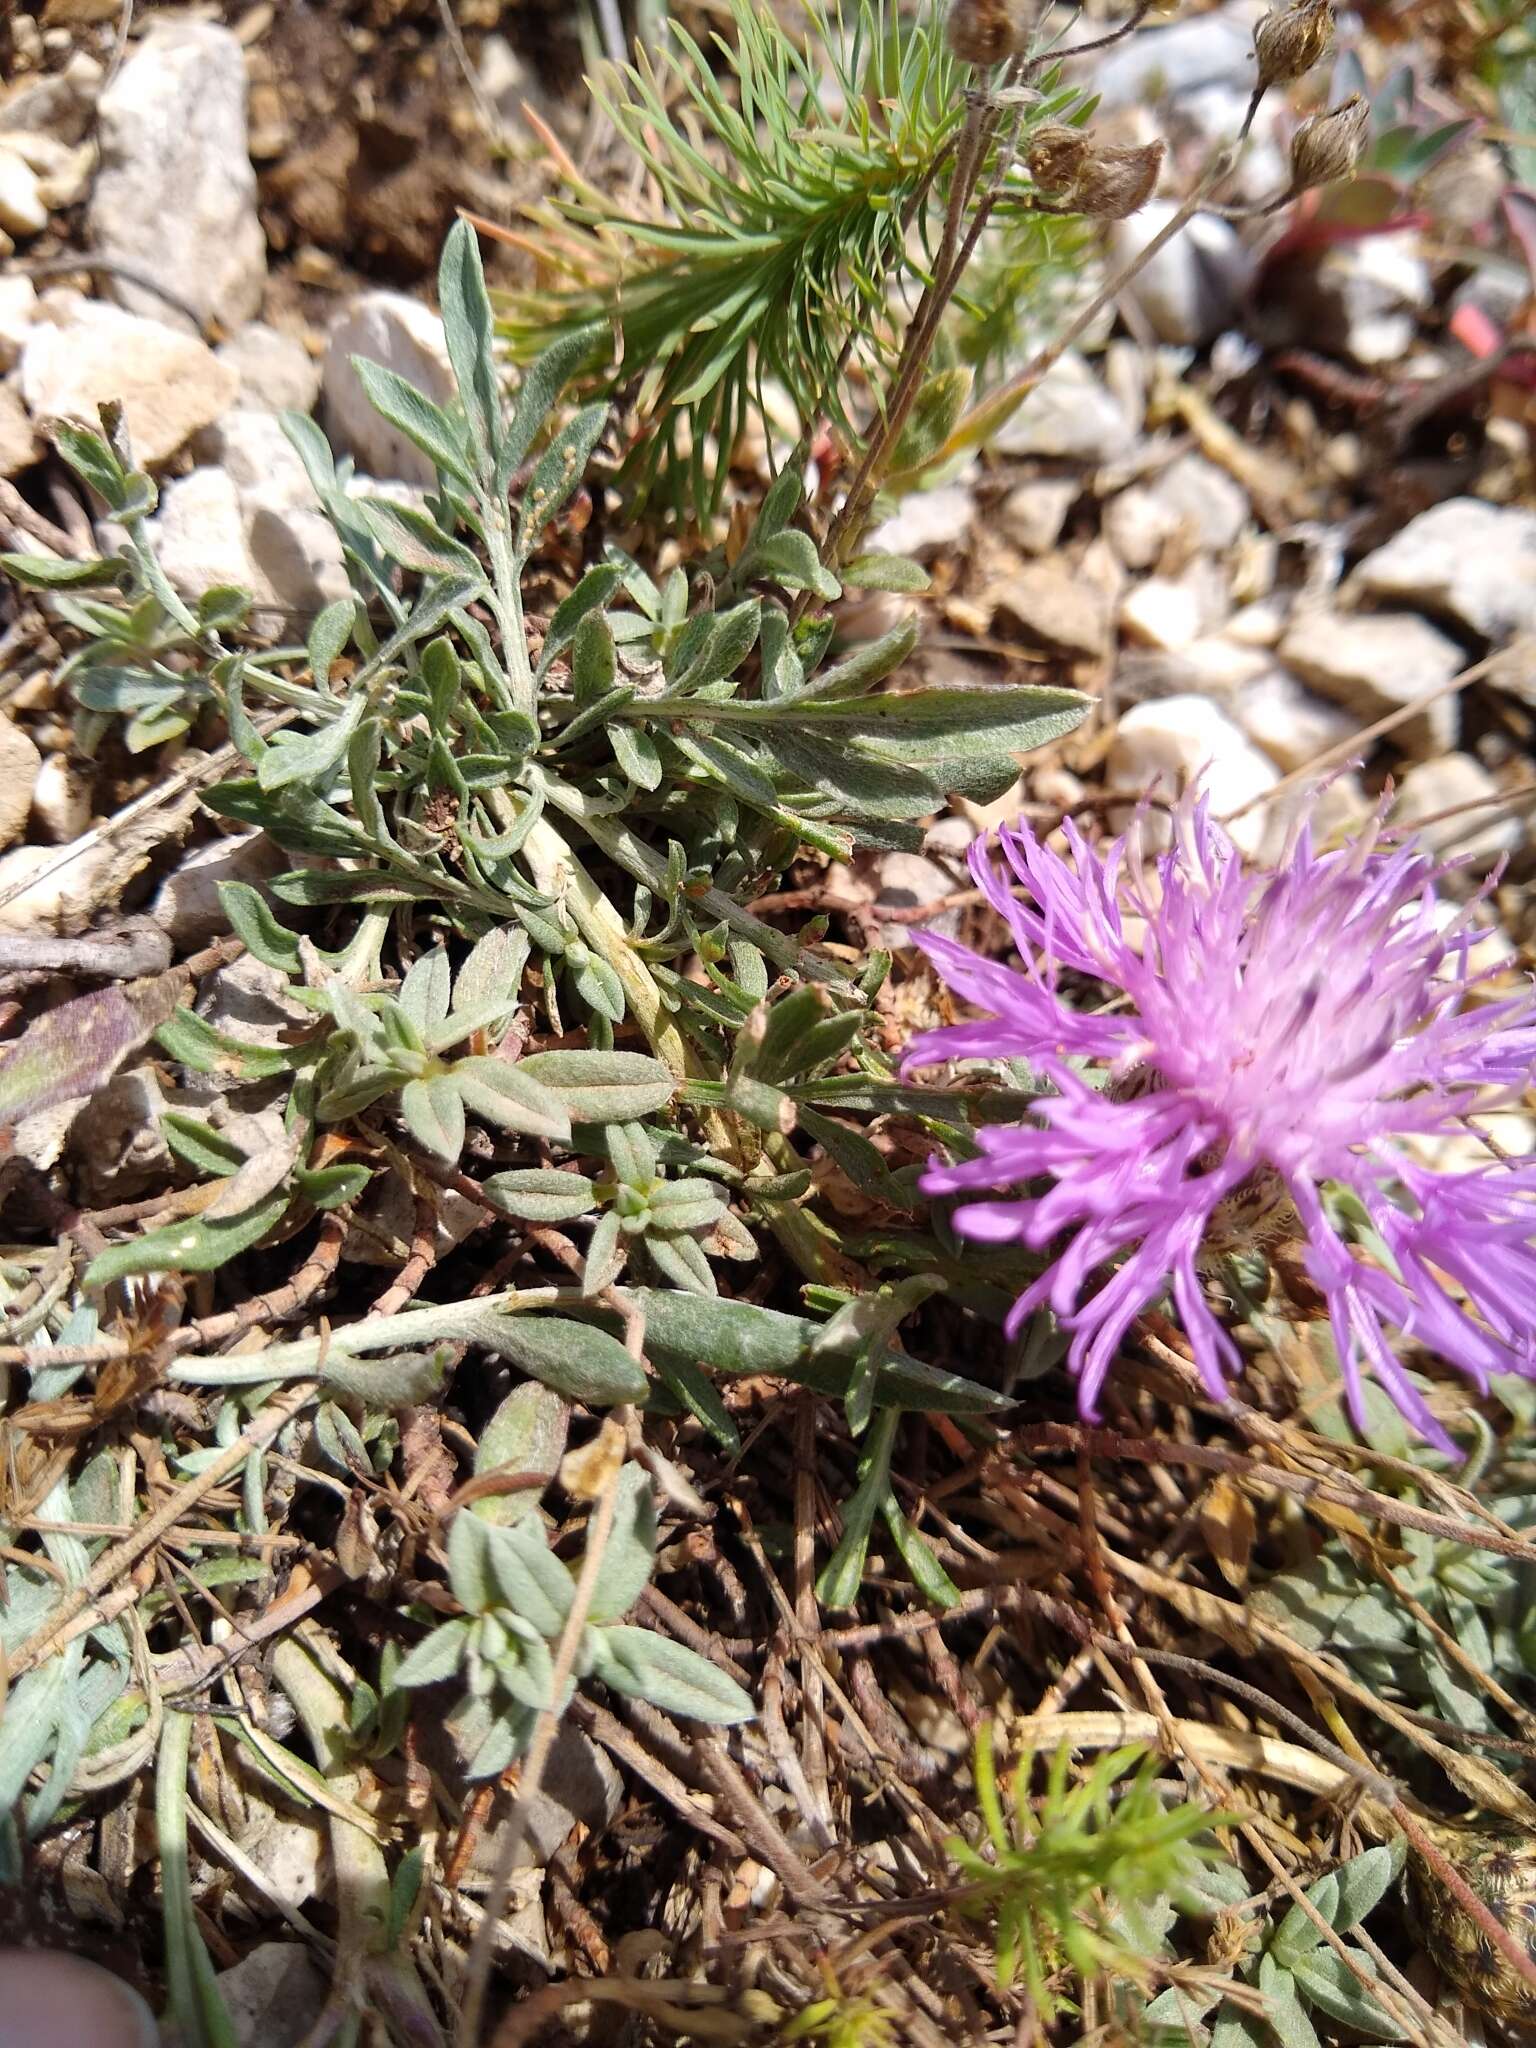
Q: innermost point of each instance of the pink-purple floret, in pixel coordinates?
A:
(1294, 1024)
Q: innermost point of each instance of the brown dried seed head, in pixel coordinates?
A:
(1105, 179)
(1327, 146)
(985, 32)
(1290, 40)
(1056, 156)
(1121, 178)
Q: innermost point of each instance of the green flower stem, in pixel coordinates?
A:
(507, 601)
(638, 860)
(196, 2007)
(558, 873)
(362, 1875)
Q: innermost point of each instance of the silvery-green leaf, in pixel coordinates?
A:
(542, 382)
(328, 637)
(512, 1095)
(636, 753)
(886, 572)
(590, 594)
(424, 992)
(558, 472)
(526, 1435)
(593, 664)
(541, 1194)
(677, 1680)
(528, 1577)
(309, 757)
(739, 1338)
(1298, 1931)
(1286, 2016)
(679, 1260)
(1236, 2030)
(414, 540)
(33, 1710)
(470, 334)
(493, 972)
(605, 1255)
(194, 1246)
(507, 1738)
(576, 1359)
(434, 1114)
(424, 424)
(629, 1555)
(469, 1564)
(435, 1657)
(1364, 1882)
(790, 558)
(687, 1205)
(602, 1087)
(631, 1154)
(1326, 1981)
(600, 988)
(527, 1672)
(693, 1391)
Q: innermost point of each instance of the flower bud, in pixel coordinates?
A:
(1105, 179)
(985, 32)
(1327, 146)
(1290, 40)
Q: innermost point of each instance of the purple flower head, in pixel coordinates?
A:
(1278, 1033)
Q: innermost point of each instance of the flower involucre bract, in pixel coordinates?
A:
(1285, 1033)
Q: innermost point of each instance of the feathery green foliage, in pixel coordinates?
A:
(1061, 1871)
(783, 221)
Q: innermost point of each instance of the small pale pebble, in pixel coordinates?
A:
(924, 522)
(1171, 741)
(1291, 724)
(61, 801)
(1033, 514)
(19, 763)
(1138, 526)
(277, 373)
(1203, 499)
(188, 908)
(22, 211)
(18, 309)
(1480, 833)
(20, 443)
(1376, 663)
(1052, 605)
(1260, 624)
(1162, 613)
(64, 901)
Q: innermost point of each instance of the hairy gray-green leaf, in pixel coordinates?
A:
(602, 1087)
(426, 425)
(677, 1680)
(470, 334)
(525, 1436)
(576, 1359)
(541, 1194)
(630, 1553)
(528, 1577)
(512, 1095)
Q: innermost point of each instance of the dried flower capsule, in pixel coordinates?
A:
(1327, 146)
(1105, 179)
(985, 32)
(1290, 40)
(1056, 155)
